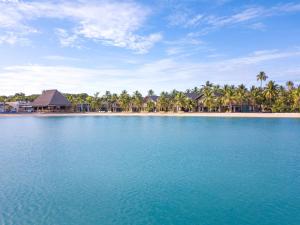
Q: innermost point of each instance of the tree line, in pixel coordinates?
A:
(270, 97)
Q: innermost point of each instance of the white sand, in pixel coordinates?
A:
(238, 115)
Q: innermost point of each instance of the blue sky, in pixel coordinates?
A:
(90, 46)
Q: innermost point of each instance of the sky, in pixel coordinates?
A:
(89, 46)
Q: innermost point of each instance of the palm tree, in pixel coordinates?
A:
(171, 97)
(163, 102)
(207, 84)
(150, 105)
(290, 85)
(124, 100)
(261, 77)
(90, 102)
(208, 99)
(173, 93)
(255, 97)
(195, 90)
(180, 99)
(137, 101)
(229, 97)
(74, 101)
(114, 102)
(296, 99)
(270, 92)
(190, 104)
(241, 95)
(282, 101)
(3, 100)
(96, 102)
(150, 93)
(218, 93)
(107, 101)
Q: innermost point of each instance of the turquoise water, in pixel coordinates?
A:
(149, 170)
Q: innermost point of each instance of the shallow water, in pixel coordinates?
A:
(149, 170)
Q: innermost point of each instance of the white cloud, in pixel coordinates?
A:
(9, 1)
(34, 78)
(164, 74)
(108, 22)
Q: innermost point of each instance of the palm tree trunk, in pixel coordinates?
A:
(260, 84)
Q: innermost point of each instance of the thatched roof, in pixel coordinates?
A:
(51, 98)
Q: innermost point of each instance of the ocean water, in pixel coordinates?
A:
(149, 170)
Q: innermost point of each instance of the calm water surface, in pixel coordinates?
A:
(149, 170)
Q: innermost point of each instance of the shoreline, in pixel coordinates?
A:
(128, 114)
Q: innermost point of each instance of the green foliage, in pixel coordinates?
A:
(261, 77)
(124, 100)
(150, 106)
(164, 102)
(136, 101)
(180, 101)
(296, 99)
(213, 98)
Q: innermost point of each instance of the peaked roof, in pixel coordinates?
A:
(154, 98)
(51, 98)
(193, 96)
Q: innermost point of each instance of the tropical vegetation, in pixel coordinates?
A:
(267, 97)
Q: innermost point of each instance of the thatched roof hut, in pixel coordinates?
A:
(51, 100)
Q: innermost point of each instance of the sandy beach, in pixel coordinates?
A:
(231, 115)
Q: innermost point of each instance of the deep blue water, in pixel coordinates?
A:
(149, 170)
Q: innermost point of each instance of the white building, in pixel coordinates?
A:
(19, 106)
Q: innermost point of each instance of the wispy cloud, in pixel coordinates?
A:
(60, 58)
(258, 26)
(209, 22)
(66, 39)
(108, 22)
(13, 38)
(185, 46)
(256, 58)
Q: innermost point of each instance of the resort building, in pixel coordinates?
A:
(245, 107)
(83, 107)
(105, 107)
(233, 107)
(150, 103)
(116, 107)
(51, 101)
(2, 107)
(110, 107)
(194, 97)
(19, 107)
